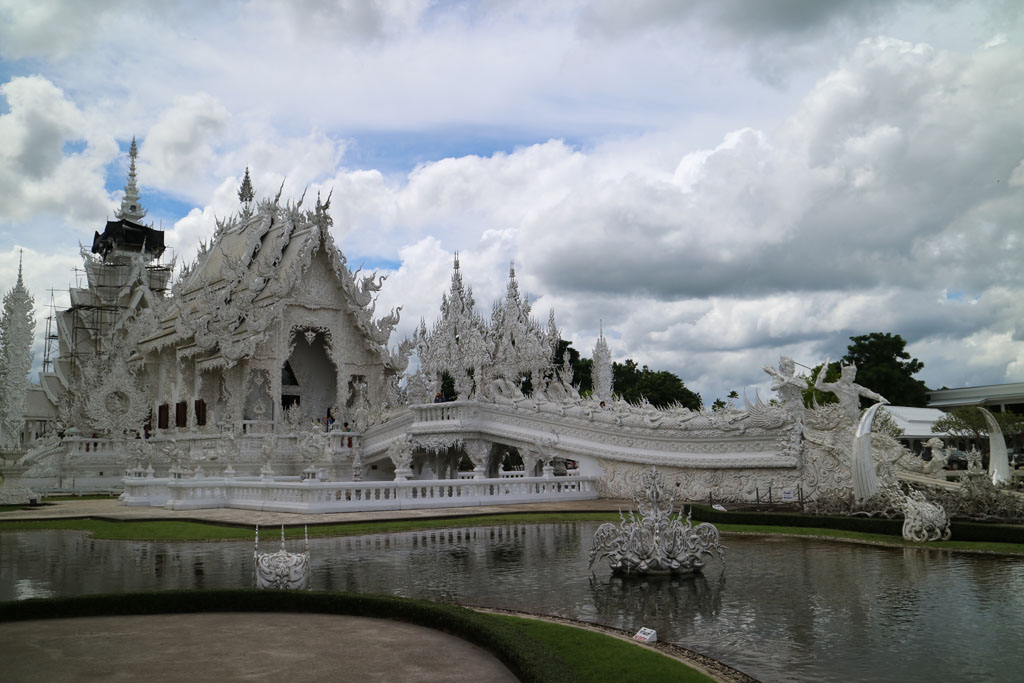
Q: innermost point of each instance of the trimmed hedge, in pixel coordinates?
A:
(530, 660)
(962, 530)
(868, 525)
(991, 533)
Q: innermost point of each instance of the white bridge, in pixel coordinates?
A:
(585, 435)
(411, 460)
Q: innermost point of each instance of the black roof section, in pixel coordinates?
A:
(127, 236)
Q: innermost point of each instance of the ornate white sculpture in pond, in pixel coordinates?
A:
(281, 569)
(652, 539)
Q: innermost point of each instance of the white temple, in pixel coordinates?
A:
(263, 377)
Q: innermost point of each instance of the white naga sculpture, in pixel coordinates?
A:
(924, 520)
(998, 458)
(865, 480)
(653, 540)
(282, 569)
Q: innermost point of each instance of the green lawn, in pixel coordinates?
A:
(598, 658)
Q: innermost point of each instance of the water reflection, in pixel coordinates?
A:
(656, 598)
(780, 609)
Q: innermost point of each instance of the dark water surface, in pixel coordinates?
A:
(780, 609)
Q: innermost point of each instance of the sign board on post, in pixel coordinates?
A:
(646, 635)
(788, 495)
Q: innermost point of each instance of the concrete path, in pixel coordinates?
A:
(112, 509)
(239, 647)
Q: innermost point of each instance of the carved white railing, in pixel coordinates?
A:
(78, 445)
(438, 412)
(344, 441)
(257, 427)
(322, 497)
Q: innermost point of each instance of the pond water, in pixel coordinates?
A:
(779, 609)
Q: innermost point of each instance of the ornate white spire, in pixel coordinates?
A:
(602, 368)
(17, 328)
(246, 193)
(131, 209)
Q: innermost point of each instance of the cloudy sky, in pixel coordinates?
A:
(719, 181)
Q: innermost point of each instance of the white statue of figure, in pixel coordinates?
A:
(502, 390)
(846, 390)
(904, 460)
(787, 385)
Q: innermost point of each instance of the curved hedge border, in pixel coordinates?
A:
(530, 660)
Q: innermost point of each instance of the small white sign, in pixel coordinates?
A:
(646, 635)
(788, 495)
(720, 508)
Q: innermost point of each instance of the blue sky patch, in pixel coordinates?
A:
(401, 151)
(73, 147)
(369, 263)
(160, 205)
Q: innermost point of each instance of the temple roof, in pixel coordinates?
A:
(125, 235)
(225, 302)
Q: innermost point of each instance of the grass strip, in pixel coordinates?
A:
(883, 539)
(603, 659)
(535, 652)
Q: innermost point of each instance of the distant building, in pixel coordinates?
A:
(916, 424)
(995, 397)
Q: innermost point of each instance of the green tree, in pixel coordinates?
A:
(885, 423)
(884, 366)
(813, 396)
(721, 404)
(582, 368)
(661, 387)
(970, 423)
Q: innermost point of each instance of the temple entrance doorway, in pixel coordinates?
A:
(308, 377)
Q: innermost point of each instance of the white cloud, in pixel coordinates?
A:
(178, 151)
(36, 175)
(646, 178)
(51, 28)
(840, 223)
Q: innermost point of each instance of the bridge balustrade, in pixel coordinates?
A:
(313, 496)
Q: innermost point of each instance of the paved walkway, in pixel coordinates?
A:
(240, 647)
(112, 509)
